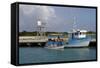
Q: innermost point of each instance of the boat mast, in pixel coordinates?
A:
(74, 25)
(41, 28)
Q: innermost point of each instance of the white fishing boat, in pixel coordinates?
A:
(78, 38)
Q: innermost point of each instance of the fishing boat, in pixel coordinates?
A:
(55, 41)
(78, 37)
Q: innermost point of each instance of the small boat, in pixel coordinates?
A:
(55, 42)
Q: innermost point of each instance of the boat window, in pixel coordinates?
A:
(76, 33)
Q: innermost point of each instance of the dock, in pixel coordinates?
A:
(32, 39)
(29, 40)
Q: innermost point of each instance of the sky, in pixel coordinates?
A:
(57, 19)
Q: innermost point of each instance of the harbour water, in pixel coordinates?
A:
(43, 55)
(39, 54)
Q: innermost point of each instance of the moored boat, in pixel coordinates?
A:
(55, 43)
(78, 38)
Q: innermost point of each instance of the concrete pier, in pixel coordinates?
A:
(32, 40)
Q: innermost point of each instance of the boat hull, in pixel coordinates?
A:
(78, 43)
(82, 44)
(54, 47)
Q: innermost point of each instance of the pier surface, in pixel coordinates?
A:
(32, 39)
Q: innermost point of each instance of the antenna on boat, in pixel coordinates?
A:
(74, 24)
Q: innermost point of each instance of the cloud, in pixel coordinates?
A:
(30, 14)
(43, 13)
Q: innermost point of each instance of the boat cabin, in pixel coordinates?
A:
(79, 34)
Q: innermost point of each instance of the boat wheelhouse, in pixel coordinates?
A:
(79, 34)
